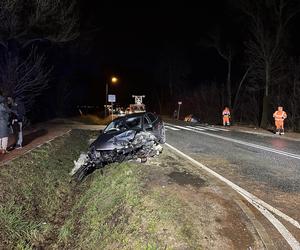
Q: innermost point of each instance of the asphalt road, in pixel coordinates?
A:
(267, 167)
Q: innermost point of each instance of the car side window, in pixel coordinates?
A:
(146, 122)
(133, 122)
(151, 117)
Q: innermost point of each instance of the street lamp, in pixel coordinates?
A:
(113, 80)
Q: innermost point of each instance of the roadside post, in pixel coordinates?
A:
(179, 104)
(112, 99)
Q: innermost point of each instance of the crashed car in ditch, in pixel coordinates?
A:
(134, 136)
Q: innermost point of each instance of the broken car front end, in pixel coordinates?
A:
(116, 145)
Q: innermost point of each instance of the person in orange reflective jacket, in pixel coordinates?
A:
(279, 117)
(226, 116)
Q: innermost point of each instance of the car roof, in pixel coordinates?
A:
(131, 115)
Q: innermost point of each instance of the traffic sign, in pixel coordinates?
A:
(111, 98)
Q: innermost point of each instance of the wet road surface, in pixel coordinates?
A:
(268, 167)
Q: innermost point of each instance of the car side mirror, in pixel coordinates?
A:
(149, 127)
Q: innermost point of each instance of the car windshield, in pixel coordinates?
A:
(123, 124)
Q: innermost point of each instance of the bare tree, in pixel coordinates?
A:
(208, 106)
(292, 94)
(269, 20)
(38, 20)
(238, 91)
(226, 51)
(249, 107)
(25, 78)
(172, 75)
(24, 25)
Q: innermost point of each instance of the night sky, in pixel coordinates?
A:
(132, 43)
(129, 43)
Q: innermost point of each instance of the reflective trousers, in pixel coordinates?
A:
(226, 120)
(279, 124)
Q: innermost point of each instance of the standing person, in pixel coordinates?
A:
(279, 116)
(226, 116)
(4, 129)
(18, 110)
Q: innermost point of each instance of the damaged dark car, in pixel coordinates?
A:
(134, 136)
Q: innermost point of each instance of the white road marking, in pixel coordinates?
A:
(206, 128)
(180, 127)
(262, 206)
(292, 241)
(221, 129)
(176, 129)
(198, 127)
(295, 156)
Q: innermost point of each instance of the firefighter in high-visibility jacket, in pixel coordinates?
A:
(226, 116)
(279, 117)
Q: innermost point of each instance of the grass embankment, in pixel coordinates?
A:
(128, 206)
(120, 211)
(92, 119)
(36, 193)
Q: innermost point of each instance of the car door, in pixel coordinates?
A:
(153, 124)
(147, 124)
(157, 126)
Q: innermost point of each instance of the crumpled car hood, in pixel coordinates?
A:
(112, 140)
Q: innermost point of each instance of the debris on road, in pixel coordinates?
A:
(191, 118)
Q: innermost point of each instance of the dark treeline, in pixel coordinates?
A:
(254, 46)
(56, 55)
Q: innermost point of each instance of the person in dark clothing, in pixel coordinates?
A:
(4, 129)
(18, 114)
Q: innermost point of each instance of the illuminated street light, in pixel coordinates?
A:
(113, 80)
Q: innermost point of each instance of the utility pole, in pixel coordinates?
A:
(179, 104)
(112, 80)
(112, 111)
(106, 96)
